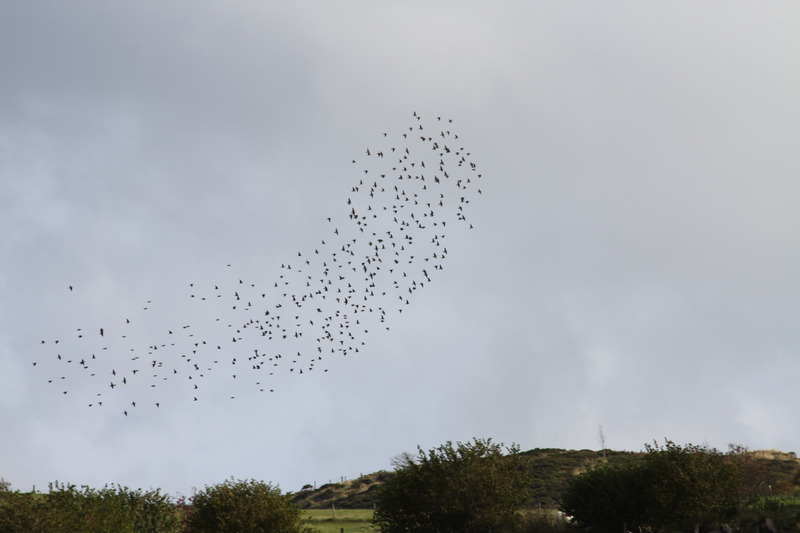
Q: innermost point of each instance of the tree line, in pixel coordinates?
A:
(474, 487)
(687, 488)
(232, 506)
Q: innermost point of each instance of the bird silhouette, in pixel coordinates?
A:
(388, 242)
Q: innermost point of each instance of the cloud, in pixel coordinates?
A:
(632, 263)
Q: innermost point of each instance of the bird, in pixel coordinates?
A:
(387, 243)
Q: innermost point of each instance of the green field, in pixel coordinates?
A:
(347, 520)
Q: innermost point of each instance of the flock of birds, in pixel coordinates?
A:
(411, 191)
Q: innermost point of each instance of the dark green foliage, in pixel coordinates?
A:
(608, 498)
(768, 484)
(18, 512)
(115, 509)
(783, 511)
(673, 488)
(545, 521)
(691, 486)
(66, 508)
(552, 470)
(463, 488)
(243, 507)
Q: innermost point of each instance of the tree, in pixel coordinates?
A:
(243, 507)
(691, 486)
(608, 498)
(112, 509)
(468, 487)
(18, 512)
(673, 488)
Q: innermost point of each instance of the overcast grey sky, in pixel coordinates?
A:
(633, 262)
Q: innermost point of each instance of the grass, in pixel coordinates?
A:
(347, 520)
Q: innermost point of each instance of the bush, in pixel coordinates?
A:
(783, 512)
(18, 512)
(608, 498)
(114, 509)
(243, 507)
(546, 521)
(673, 488)
(472, 487)
(66, 508)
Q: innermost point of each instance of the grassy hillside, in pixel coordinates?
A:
(551, 470)
(352, 494)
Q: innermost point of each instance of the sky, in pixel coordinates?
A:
(631, 263)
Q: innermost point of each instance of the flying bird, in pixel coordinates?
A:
(388, 241)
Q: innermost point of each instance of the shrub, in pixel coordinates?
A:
(461, 488)
(546, 521)
(114, 509)
(243, 507)
(673, 488)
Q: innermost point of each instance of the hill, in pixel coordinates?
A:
(359, 493)
(551, 470)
